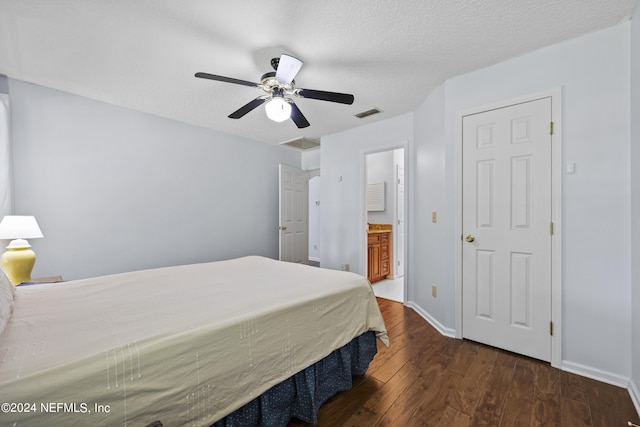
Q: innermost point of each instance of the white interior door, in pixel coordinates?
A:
(293, 214)
(400, 228)
(506, 224)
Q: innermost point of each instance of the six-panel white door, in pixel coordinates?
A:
(293, 216)
(506, 218)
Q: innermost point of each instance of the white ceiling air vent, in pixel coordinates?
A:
(302, 143)
(368, 113)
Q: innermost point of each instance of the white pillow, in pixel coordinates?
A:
(6, 300)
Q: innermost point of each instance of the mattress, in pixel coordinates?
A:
(185, 345)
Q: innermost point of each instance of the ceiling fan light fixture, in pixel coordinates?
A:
(278, 109)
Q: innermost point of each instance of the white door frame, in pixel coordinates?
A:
(556, 212)
(363, 208)
(396, 237)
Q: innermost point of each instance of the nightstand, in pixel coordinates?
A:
(52, 279)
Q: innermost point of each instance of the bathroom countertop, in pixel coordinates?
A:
(379, 228)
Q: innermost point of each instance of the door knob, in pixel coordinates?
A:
(470, 238)
(282, 227)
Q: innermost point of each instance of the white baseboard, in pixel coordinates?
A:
(447, 332)
(595, 374)
(635, 395)
(312, 258)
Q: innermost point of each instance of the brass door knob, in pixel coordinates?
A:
(470, 238)
(282, 227)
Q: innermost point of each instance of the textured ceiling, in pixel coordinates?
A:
(390, 54)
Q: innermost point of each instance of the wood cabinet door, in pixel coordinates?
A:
(374, 262)
(379, 256)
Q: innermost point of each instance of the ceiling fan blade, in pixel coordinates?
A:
(298, 118)
(252, 105)
(288, 67)
(226, 79)
(342, 98)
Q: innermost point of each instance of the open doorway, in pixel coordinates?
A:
(386, 223)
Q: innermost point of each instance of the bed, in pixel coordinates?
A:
(184, 345)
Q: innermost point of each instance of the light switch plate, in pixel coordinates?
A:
(571, 167)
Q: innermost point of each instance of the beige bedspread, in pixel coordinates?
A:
(186, 345)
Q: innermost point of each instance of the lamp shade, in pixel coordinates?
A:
(19, 227)
(278, 109)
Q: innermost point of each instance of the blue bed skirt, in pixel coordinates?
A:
(301, 395)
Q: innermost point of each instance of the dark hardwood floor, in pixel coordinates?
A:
(425, 379)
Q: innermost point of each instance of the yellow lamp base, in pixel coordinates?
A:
(18, 263)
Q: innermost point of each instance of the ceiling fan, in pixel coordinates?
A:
(278, 86)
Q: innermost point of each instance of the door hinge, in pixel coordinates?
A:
(551, 328)
(550, 128)
(551, 228)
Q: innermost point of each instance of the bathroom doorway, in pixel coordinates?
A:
(386, 216)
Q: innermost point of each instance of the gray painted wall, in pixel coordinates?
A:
(435, 191)
(635, 204)
(117, 190)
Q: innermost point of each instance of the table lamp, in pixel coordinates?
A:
(18, 261)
